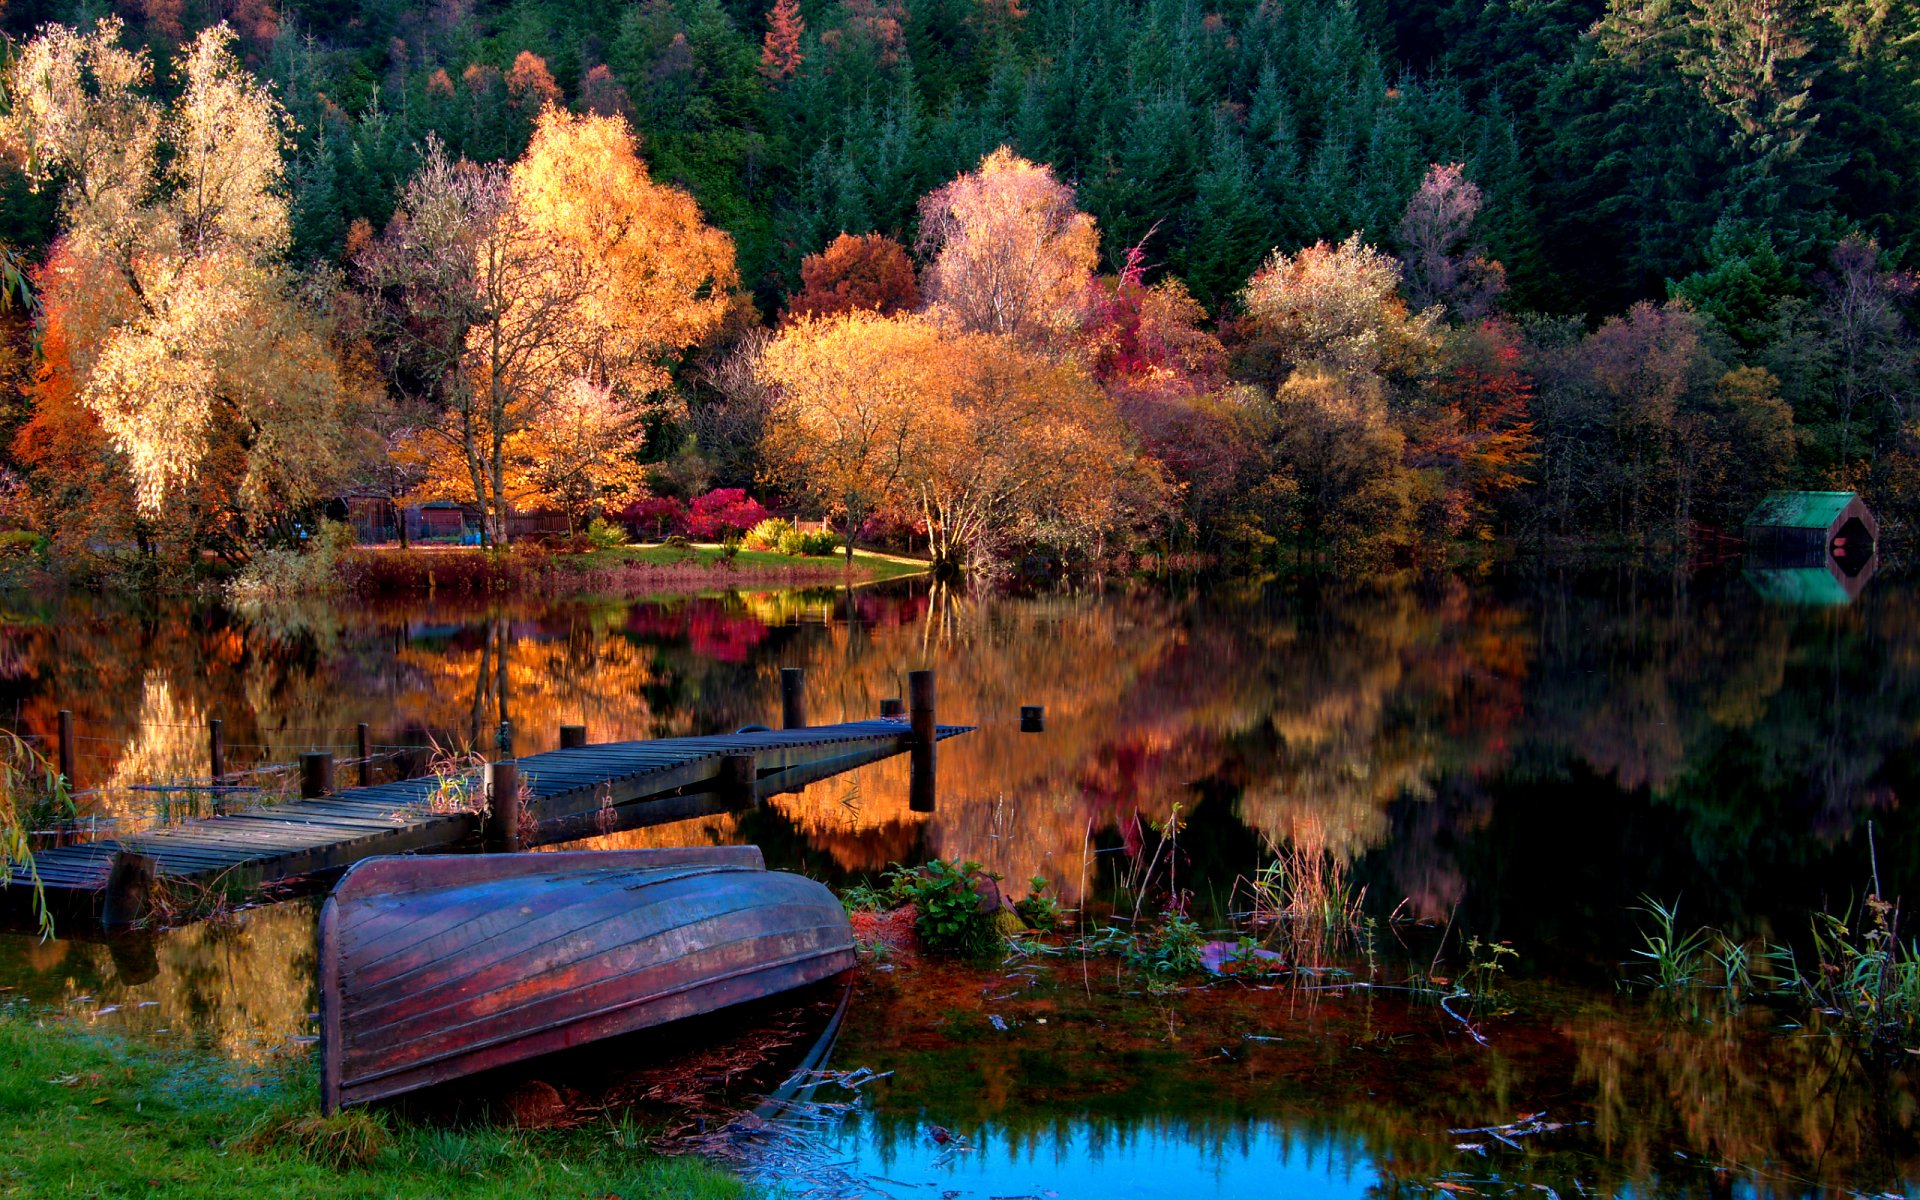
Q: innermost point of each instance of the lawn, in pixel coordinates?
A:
(88, 1115)
(868, 565)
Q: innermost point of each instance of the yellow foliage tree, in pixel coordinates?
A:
(854, 402)
(216, 360)
(993, 443)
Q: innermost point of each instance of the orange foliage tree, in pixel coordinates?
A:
(870, 271)
(499, 292)
(780, 54)
(993, 443)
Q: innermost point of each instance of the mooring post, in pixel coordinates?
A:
(316, 774)
(740, 780)
(894, 707)
(572, 737)
(217, 749)
(66, 750)
(366, 755)
(793, 698)
(503, 809)
(129, 890)
(920, 786)
(1033, 718)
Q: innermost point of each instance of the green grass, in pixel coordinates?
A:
(866, 563)
(86, 1115)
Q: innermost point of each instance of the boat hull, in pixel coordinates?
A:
(433, 968)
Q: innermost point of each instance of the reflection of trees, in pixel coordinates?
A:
(241, 987)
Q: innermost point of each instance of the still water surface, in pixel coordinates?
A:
(1521, 757)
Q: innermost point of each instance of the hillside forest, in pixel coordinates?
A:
(1345, 283)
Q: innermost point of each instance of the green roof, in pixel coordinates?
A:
(1800, 510)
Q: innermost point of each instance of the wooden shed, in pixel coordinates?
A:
(1813, 529)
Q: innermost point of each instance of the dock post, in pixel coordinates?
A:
(503, 811)
(920, 787)
(129, 890)
(316, 774)
(66, 750)
(1033, 718)
(893, 706)
(217, 749)
(740, 780)
(793, 698)
(366, 755)
(572, 737)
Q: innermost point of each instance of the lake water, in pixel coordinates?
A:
(1517, 757)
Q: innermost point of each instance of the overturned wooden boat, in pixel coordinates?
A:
(437, 967)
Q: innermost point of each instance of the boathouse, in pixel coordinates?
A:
(1812, 529)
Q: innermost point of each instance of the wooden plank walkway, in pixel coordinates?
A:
(568, 794)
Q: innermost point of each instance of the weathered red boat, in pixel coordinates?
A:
(436, 967)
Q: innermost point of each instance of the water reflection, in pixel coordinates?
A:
(1522, 757)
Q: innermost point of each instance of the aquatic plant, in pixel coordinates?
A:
(36, 795)
(1864, 977)
(1040, 911)
(1172, 947)
(950, 913)
(869, 897)
(1683, 965)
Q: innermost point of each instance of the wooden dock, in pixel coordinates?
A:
(567, 794)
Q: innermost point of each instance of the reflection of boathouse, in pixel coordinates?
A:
(1811, 547)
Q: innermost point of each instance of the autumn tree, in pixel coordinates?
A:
(584, 455)
(1007, 251)
(870, 271)
(1472, 430)
(1442, 264)
(780, 54)
(217, 362)
(850, 420)
(1027, 452)
(499, 291)
(1337, 308)
(1349, 493)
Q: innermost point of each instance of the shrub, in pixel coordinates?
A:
(312, 568)
(653, 516)
(804, 543)
(769, 534)
(949, 912)
(603, 534)
(723, 511)
(20, 545)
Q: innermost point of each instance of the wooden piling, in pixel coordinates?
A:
(921, 789)
(129, 891)
(503, 810)
(893, 707)
(316, 774)
(365, 747)
(793, 698)
(68, 755)
(1033, 718)
(217, 749)
(740, 780)
(572, 737)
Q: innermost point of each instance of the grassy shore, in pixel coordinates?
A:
(88, 1115)
(866, 565)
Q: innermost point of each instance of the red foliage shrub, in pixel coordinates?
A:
(723, 512)
(653, 516)
(459, 572)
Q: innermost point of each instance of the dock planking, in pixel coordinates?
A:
(568, 794)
